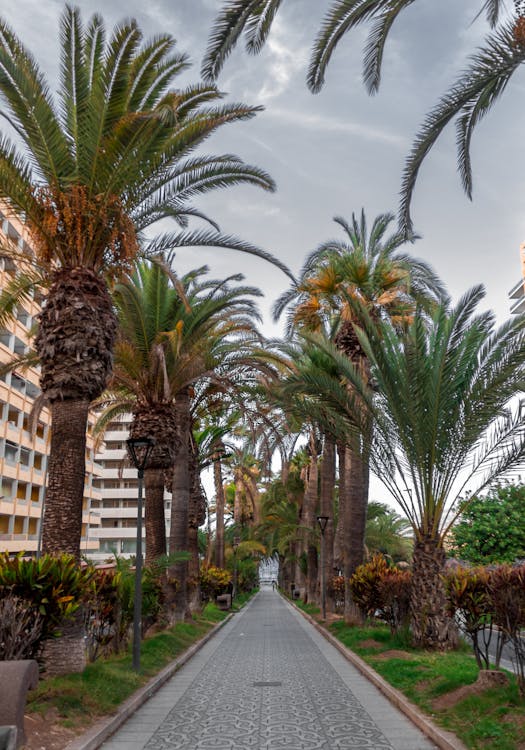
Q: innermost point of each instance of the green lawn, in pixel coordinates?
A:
(494, 720)
(106, 683)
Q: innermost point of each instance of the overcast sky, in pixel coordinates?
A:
(341, 150)
(336, 152)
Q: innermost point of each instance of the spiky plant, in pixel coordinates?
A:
(89, 171)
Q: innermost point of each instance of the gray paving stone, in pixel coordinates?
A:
(268, 681)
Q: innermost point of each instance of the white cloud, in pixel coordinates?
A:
(337, 125)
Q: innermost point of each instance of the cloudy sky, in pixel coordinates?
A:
(341, 150)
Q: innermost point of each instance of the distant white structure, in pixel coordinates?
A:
(268, 570)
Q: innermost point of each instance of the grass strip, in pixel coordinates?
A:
(490, 720)
(81, 698)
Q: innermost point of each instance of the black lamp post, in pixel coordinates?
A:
(235, 544)
(322, 521)
(139, 450)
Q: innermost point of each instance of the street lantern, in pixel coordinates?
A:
(139, 450)
(323, 521)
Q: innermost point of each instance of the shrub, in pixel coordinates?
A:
(214, 581)
(54, 586)
(364, 585)
(471, 606)
(21, 627)
(105, 630)
(247, 574)
(394, 594)
(507, 593)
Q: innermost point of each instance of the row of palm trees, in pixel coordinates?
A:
(377, 366)
(115, 153)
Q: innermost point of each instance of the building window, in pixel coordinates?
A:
(11, 452)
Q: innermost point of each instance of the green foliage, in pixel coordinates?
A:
(492, 720)
(55, 586)
(214, 581)
(247, 574)
(387, 532)
(491, 529)
(102, 686)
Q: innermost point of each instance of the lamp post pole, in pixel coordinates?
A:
(322, 521)
(139, 450)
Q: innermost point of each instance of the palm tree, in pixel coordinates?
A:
(387, 533)
(442, 424)
(91, 173)
(172, 338)
(370, 269)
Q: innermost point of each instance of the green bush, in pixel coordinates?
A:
(214, 581)
(55, 586)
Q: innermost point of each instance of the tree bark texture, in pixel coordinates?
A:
(354, 523)
(196, 518)
(180, 505)
(339, 531)
(62, 522)
(219, 509)
(431, 626)
(157, 421)
(310, 523)
(76, 334)
(327, 509)
(154, 514)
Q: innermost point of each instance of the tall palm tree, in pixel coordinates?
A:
(89, 173)
(368, 268)
(444, 423)
(173, 337)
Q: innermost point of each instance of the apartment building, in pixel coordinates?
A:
(24, 453)
(118, 504)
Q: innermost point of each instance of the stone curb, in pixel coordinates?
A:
(103, 729)
(443, 739)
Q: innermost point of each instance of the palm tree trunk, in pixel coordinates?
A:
(309, 521)
(356, 486)
(155, 521)
(327, 509)
(237, 504)
(180, 506)
(431, 626)
(196, 517)
(76, 333)
(62, 523)
(219, 508)
(339, 532)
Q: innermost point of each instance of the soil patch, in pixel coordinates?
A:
(370, 643)
(487, 679)
(46, 733)
(394, 653)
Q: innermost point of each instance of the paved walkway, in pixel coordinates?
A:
(268, 681)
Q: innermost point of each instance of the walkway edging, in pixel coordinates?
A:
(443, 739)
(94, 737)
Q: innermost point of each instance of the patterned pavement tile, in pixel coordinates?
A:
(266, 685)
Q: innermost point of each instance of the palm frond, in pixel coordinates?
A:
(470, 97)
